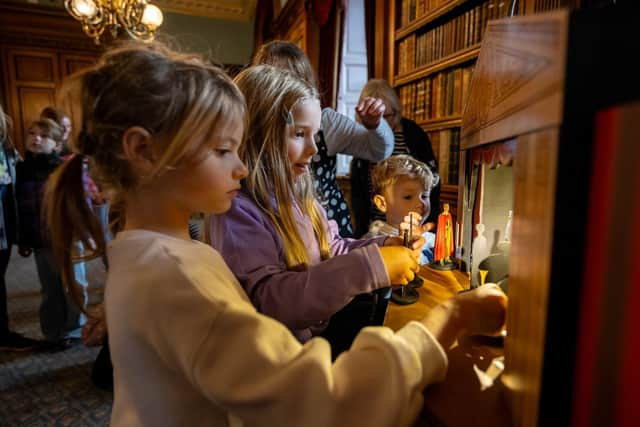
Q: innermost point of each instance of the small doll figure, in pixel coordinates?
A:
(443, 250)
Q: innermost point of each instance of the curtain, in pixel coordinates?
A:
(262, 23)
(330, 17)
(370, 35)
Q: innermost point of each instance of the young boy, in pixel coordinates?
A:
(401, 185)
(60, 319)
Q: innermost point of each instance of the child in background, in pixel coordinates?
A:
(94, 329)
(188, 346)
(9, 340)
(401, 186)
(60, 319)
(371, 139)
(95, 196)
(410, 139)
(63, 120)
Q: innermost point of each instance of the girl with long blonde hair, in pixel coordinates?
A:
(370, 138)
(276, 237)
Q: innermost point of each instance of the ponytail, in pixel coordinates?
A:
(70, 219)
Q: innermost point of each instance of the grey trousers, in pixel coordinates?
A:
(59, 315)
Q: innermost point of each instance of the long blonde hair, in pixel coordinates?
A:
(177, 98)
(271, 93)
(5, 130)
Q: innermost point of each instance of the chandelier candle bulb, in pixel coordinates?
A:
(85, 8)
(152, 16)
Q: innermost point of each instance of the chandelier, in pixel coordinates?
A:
(137, 17)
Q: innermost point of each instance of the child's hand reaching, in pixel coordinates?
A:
(483, 310)
(401, 264)
(414, 219)
(415, 244)
(370, 111)
(24, 251)
(480, 311)
(94, 331)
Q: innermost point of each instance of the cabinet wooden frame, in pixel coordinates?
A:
(530, 85)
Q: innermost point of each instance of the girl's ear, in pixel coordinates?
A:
(138, 149)
(380, 202)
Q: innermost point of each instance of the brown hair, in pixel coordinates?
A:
(288, 56)
(177, 98)
(50, 129)
(387, 172)
(53, 113)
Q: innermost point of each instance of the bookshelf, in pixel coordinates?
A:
(430, 48)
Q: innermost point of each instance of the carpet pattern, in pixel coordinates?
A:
(48, 389)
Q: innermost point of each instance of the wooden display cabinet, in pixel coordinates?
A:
(557, 92)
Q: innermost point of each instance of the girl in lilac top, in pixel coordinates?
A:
(276, 237)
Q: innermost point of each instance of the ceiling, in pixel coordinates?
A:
(235, 10)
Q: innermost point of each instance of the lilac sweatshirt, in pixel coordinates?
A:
(302, 300)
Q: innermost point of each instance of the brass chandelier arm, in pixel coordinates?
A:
(96, 16)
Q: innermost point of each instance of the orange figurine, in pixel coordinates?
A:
(443, 250)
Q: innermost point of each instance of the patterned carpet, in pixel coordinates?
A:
(48, 389)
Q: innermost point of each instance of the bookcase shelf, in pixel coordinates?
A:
(430, 50)
(441, 123)
(423, 20)
(452, 60)
(434, 46)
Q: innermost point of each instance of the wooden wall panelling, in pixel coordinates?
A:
(71, 63)
(295, 23)
(39, 26)
(535, 167)
(39, 46)
(30, 82)
(384, 40)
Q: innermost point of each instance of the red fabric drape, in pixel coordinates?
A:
(262, 23)
(322, 10)
(370, 35)
(495, 154)
(330, 52)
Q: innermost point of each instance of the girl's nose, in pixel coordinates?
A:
(311, 148)
(240, 171)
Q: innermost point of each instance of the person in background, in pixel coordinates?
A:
(94, 331)
(96, 197)
(63, 120)
(409, 139)
(401, 187)
(188, 346)
(9, 340)
(60, 319)
(371, 140)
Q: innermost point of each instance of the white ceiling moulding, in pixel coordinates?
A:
(236, 10)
